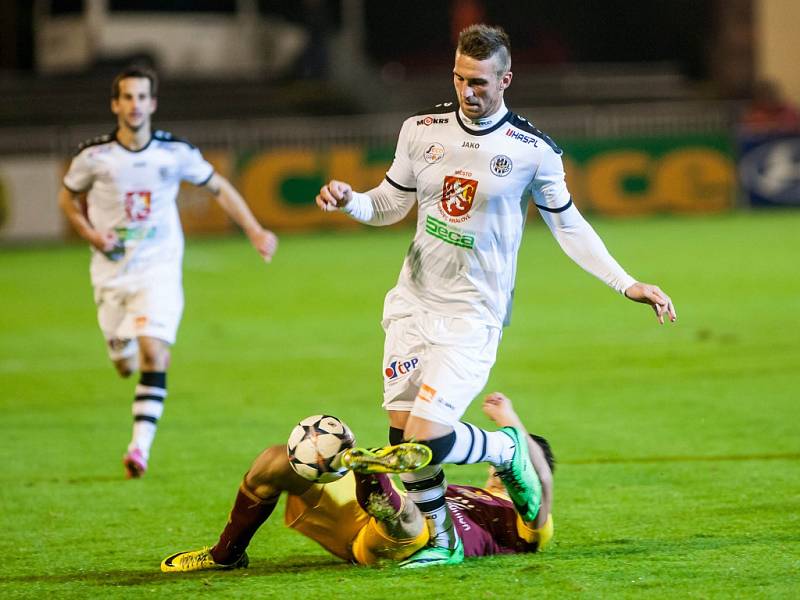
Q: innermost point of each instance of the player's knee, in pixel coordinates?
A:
(155, 359)
(125, 371)
(125, 367)
(268, 473)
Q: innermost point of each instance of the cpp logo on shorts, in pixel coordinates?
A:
(398, 368)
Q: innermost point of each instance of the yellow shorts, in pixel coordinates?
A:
(330, 515)
(541, 537)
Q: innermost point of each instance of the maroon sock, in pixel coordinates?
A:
(248, 514)
(366, 485)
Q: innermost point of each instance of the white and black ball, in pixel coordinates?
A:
(313, 445)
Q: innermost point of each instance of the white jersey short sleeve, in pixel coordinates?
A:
(193, 167)
(80, 176)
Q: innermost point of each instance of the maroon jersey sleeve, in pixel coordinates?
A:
(487, 524)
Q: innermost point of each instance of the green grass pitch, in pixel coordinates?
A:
(679, 446)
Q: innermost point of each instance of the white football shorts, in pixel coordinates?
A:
(434, 366)
(152, 306)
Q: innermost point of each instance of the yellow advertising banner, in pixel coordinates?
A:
(653, 175)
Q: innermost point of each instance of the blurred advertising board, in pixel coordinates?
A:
(647, 175)
(281, 184)
(615, 177)
(769, 169)
(28, 207)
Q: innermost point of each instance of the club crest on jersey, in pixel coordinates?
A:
(137, 205)
(399, 368)
(458, 194)
(434, 153)
(501, 165)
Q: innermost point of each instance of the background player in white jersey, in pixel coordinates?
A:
(472, 167)
(131, 179)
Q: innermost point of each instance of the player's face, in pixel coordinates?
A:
(479, 85)
(134, 105)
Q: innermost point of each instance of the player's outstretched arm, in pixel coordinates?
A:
(647, 293)
(70, 203)
(499, 409)
(231, 201)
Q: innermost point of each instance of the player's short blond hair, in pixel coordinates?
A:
(136, 72)
(482, 41)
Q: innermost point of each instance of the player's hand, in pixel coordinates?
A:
(334, 195)
(498, 408)
(108, 243)
(651, 294)
(265, 242)
(105, 241)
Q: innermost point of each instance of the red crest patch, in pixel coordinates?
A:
(457, 195)
(137, 205)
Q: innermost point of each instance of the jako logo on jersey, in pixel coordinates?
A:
(457, 196)
(525, 139)
(434, 153)
(137, 205)
(471, 145)
(433, 121)
(398, 368)
(501, 165)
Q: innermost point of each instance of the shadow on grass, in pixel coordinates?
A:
(620, 548)
(154, 577)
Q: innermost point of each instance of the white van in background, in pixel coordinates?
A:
(229, 39)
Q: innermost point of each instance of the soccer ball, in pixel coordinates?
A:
(314, 443)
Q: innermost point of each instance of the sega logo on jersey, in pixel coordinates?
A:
(433, 121)
(525, 139)
(398, 368)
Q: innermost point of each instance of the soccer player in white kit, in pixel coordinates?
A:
(131, 179)
(472, 168)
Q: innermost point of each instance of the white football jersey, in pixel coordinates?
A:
(473, 187)
(134, 193)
